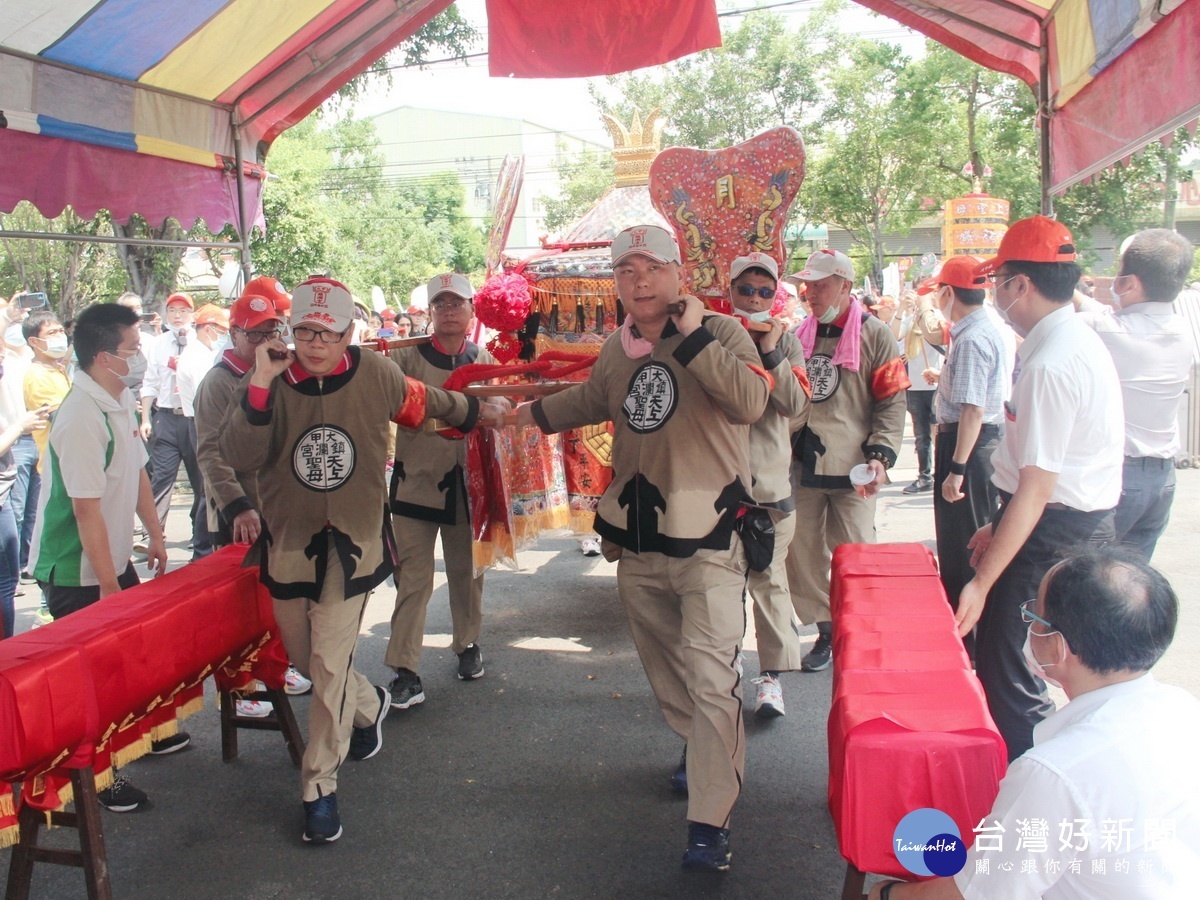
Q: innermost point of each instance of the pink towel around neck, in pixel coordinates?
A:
(635, 347)
(849, 344)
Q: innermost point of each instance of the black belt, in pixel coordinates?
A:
(952, 428)
(173, 410)
(1005, 496)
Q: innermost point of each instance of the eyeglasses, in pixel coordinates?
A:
(306, 335)
(257, 337)
(999, 279)
(746, 290)
(438, 305)
(1028, 616)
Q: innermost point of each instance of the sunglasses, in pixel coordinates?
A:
(745, 290)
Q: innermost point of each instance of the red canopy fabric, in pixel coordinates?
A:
(553, 39)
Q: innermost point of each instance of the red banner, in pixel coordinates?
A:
(552, 39)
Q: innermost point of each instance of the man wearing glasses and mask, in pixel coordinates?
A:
(754, 279)
(1057, 467)
(312, 423)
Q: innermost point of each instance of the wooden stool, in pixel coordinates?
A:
(281, 719)
(90, 855)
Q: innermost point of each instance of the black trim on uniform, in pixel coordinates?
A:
(318, 550)
(772, 359)
(642, 501)
(689, 348)
(256, 416)
(451, 483)
(313, 387)
(440, 360)
(472, 418)
(236, 508)
(539, 416)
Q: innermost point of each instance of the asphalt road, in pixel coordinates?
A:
(547, 777)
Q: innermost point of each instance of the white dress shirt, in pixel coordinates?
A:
(162, 354)
(1153, 351)
(1104, 806)
(190, 368)
(1065, 415)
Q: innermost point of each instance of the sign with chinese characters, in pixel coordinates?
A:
(323, 458)
(974, 225)
(651, 399)
(723, 204)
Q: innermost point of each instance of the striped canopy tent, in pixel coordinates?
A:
(155, 107)
(1110, 75)
(167, 108)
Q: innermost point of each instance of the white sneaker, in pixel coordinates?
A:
(295, 684)
(590, 547)
(254, 709)
(768, 697)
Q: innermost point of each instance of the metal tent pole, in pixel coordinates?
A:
(243, 229)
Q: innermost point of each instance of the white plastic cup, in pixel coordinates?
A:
(861, 475)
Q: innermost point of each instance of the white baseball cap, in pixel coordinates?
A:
(645, 240)
(824, 263)
(324, 302)
(449, 283)
(754, 261)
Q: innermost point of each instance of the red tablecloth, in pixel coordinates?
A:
(97, 686)
(909, 726)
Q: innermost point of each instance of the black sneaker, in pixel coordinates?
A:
(406, 689)
(26, 578)
(172, 744)
(708, 848)
(820, 656)
(922, 484)
(122, 796)
(679, 776)
(322, 824)
(367, 741)
(470, 663)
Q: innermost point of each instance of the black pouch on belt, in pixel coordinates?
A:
(758, 537)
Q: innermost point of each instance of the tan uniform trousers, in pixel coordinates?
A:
(320, 639)
(414, 586)
(775, 623)
(688, 617)
(825, 518)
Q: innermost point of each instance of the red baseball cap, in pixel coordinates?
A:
(270, 288)
(181, 297)
(251, 310)
(957, 271)
(1036, 239)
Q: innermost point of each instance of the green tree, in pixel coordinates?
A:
(72, 274)
(872, 176)
(583, 179)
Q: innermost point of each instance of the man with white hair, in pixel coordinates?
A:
(858, 384)
(681, 388)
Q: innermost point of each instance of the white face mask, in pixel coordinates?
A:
(1118, 296)
(829, 316)
(761, 316)
(136, 370)
(56, 346)
(13, 336)
(224, 342)
(1038, 668)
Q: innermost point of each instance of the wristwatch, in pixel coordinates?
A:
(885, 892)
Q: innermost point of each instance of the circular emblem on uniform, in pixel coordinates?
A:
(258, 304)
(323, 458)
(823, 376)
(652, 396)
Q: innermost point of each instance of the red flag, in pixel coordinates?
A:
(558, 39)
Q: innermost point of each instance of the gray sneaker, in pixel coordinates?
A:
(406, 689)
(820, 656)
